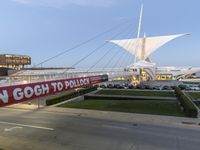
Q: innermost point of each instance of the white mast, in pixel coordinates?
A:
(139, 28)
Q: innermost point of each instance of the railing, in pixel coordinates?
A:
(34, 76)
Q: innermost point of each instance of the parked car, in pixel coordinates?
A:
(148, 87)
(157, 88)
(173, 87)
(194, 88)
(110, 86)
(125, 85)
(102, 86)
(166, 87)
(140, 86)
(130, 86)
(118, 86)
(182, 86)
(188, 88)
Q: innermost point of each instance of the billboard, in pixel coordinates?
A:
(19, 93)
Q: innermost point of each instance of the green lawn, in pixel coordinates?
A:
(194, 95)
(136, 93)
(137, 106)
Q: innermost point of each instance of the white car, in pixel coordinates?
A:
(195, 88)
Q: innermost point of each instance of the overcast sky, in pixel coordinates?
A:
(43, 28)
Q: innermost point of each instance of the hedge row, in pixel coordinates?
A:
(58, 99)
(186, 102)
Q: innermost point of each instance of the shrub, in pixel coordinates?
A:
(58, 99)
(186, 102)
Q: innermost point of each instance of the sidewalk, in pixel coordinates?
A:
(25, 106)
(134, 118)
(132, 97)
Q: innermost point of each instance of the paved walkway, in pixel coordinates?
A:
(25, 106)
(130, 117)
(134, 118)
(133, 97)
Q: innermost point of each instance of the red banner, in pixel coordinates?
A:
(19, 93)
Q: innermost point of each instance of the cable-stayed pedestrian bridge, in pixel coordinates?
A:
(33, 76)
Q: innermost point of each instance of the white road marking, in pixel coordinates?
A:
(25, 125)
(8, 130)
(116, 127)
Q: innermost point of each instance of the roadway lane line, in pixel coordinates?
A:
(25, 125)
(115, 127)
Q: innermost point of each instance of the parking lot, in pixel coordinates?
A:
(151, 85)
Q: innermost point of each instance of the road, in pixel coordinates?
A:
(39, 130)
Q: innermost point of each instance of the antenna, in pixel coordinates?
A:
(139, 29)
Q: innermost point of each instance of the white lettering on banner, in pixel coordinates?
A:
(37, 90)
(45, 89)
(57, 86)
(18, 94)
(4, 96)
(60, 86)
(41, 89)
(72, 83)
(69, 84)
(84, 81)
(28, 92)
(54, 86)
(66, 84)
(76, 83)
(15, 94)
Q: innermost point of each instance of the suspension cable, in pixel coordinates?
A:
(119, 60)
(92, 52)
(113, 57)
(101, 58)
(109, 50)
(128, 43)
(77, 46)
(125, 60)
(110, 60)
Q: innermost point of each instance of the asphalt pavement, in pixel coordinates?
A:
(41, 129)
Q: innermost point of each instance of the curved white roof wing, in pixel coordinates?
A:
(142, 48)
(128, 44)
(153, 43)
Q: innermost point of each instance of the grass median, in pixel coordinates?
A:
(194, 95)
(168, 108)
(137, 93)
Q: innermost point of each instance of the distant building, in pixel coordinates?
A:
(143, 68)
(12, 61)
